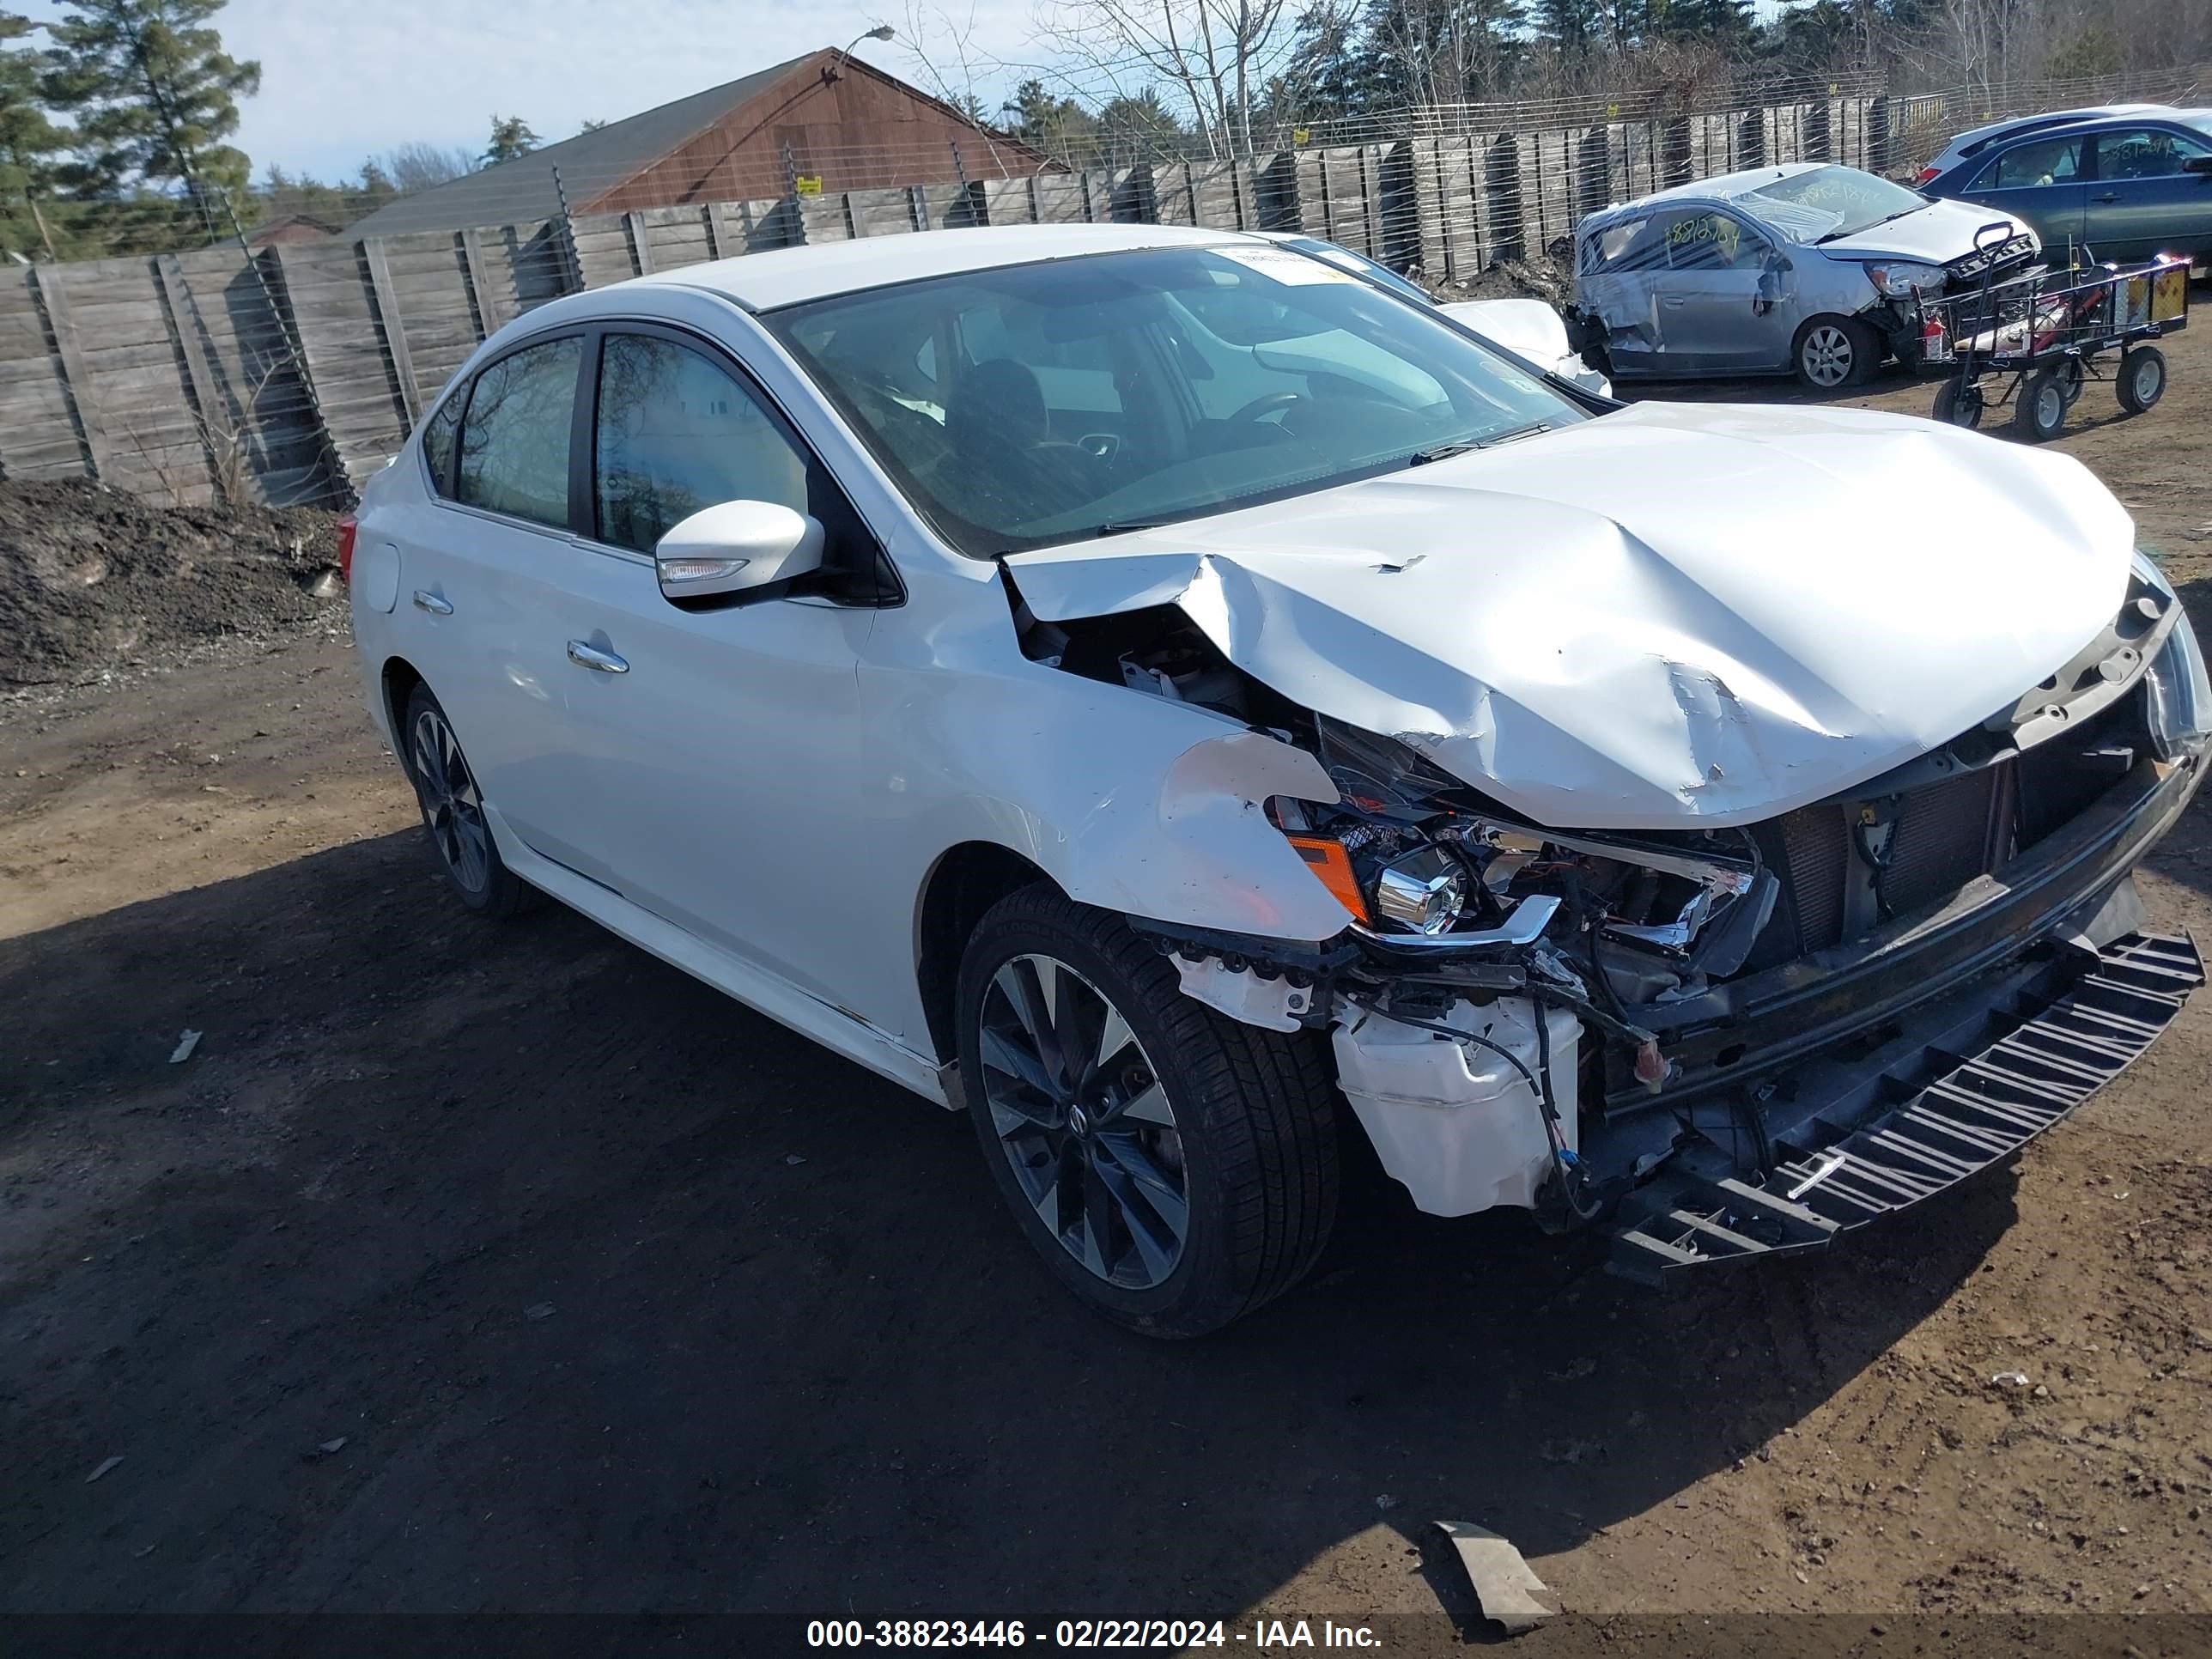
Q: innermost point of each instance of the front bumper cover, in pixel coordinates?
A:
(2063, 1035)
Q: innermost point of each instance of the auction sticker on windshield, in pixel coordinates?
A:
(1285, 266)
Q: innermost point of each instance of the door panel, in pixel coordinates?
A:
(1622, 280)
(714, 780)
(473, 583)
(2143, 203)
(1726, 301)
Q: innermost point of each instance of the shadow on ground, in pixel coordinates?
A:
(621, 1296)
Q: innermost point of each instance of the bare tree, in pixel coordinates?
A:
(419, 166)
(947, 61)
(226, 428)
(1216, 56)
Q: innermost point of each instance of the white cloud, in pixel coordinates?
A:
(339, 84)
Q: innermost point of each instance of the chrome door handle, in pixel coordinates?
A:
(590, 656)
(430, 602)
(2109, 196)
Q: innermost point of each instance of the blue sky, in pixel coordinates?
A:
(341, 82)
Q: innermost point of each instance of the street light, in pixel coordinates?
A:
(881, 32)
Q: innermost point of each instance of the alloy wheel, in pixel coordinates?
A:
(1827, 354)
(1083, 1121)
(452, 807)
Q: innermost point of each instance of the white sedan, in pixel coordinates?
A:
(1155, 691)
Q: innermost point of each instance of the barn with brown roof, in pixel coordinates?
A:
(826, 120)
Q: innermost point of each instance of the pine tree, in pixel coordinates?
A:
(510, 137)
(1137, 129)
(1055, 126)
(1726, 23)
(154, 95)
(1573, 26)
(29, 144)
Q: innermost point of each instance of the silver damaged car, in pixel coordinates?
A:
(1805, 268)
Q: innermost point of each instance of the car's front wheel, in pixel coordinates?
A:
(1174, 1168)
(1830, 352)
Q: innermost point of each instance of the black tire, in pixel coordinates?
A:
(1252, 1123)
(2072, 381)
(452, 813)
(2039, 406)
(2142, 380)
(1958, 403)
(1832, 353)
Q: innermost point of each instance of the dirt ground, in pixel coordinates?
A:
(470, 1267)
(93, 580)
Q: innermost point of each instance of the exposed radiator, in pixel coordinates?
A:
(1816, 854)
(1943, 836)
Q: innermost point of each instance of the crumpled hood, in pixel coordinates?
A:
(1678, 614)
(1937, 233)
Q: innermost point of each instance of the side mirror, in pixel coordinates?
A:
(736, 547)
(2197, 164)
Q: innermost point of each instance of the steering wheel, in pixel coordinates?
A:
(1260, 408)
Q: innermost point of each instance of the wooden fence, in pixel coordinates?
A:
(292, 375)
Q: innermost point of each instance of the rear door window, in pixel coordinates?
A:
(1633, 245)
(515, 440)
(438, 442)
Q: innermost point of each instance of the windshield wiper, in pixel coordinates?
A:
(1123, 526)
(1468, 446)
(1871, 224)
(1442, 453)
(1527, 431)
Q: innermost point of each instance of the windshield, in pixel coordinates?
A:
(1361, 265)
(1044, 403)
(1828, 204)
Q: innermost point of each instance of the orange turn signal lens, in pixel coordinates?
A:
(1331, 866)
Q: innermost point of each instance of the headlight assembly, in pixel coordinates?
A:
(1424, 891)
(1899, 279)
(1412, 852)
(2180, 695)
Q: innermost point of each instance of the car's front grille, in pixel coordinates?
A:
(1968, 269)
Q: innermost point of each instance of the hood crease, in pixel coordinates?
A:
(1678, 613)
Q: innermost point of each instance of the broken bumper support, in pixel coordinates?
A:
(1978, 1110)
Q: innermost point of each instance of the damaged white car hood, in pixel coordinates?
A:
(1679, 614)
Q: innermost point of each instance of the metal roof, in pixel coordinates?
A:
(592, 163)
